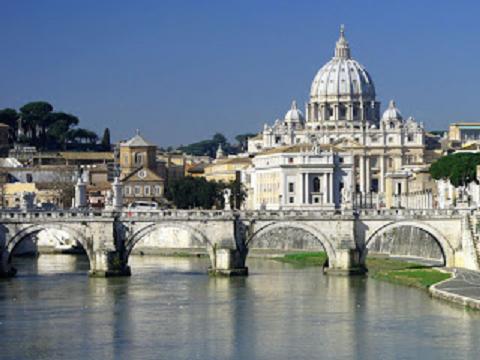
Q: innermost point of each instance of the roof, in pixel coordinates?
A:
(234, 160)
(82, 155)
(137, 140)
(295, 149)
(466, 124)
(197, 168)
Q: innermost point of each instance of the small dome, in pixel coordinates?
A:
(294, 115)
(342, 77)
(392, 113)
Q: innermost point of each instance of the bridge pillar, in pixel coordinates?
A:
(108, 263)
(6, 268)
(346, 262)
(227, 262)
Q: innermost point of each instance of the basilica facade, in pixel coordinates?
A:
(342, 117)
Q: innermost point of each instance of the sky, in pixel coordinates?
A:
(182, 70)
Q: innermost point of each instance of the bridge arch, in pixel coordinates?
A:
(445, 247)
(30, 230)
(316, 233)
(142, 233)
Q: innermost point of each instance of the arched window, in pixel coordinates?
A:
(138, 159)
(392, 125)
(316, 185)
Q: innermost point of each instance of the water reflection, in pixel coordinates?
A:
(171, 309)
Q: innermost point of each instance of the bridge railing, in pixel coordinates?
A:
(152, 215)
(177, 214)
(56, 214)
(412, 212)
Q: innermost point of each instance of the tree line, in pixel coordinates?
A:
(209, 147)
(37, 124)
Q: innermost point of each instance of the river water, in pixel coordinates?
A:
(170, 309)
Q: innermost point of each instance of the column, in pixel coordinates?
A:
(330, 183)
(362, 173)
(325, 188)
(381, 183)
(307, 188)
(368, 176)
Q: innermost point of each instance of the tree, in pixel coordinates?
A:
(106, 139)
(10, 117)
(80, 135)
(459, 168)
(61, 124)
(190, 192)
(34, 115)
(209, 147)
(242, 140)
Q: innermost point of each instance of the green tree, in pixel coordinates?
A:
(10, 117)
(106, 139)
(459, 168)
(61, 124)
(242, 140)
(34, 116)
(80, 135)
(190, 192)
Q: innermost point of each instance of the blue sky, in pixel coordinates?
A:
(182, 70)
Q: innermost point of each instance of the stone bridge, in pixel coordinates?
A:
(108, 237)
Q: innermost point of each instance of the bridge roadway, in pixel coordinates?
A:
(109, 237)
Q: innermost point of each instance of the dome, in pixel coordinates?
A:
(392, 113)
(342, 77)
(294, 115)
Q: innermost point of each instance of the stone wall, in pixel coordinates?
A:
(406, 241)
(285, 239)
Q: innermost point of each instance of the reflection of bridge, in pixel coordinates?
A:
(108, 238)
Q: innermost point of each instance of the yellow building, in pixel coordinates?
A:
(139, 172)
(464, 132)
(225, 170)
(12, 194)
(413, 188)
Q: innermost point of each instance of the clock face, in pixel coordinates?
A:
(142, 174)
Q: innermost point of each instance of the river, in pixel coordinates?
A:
(170, 309)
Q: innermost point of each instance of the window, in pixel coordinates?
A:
(390, 162)
(128, 190)
(138, 190)
(125, 159)
(290, 160)
(277, 139)
(291, 187)
(146, 190)
(410, 137)
(316, 185)
(330, 112)
(355, 112)
(158, 190)
(390, 139)
(291, 200)
(29, 178)
(392, 125)
(343, 112)
(138, 159)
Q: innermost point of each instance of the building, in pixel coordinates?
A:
(139, 172)
(299, 177)
(464, 132)
(343, 111)
(225, 169)
(12, 194)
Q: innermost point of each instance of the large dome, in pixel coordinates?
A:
(342, 78)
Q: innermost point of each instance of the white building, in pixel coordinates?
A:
(299, 177)
(343, 111)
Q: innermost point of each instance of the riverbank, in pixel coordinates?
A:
(381, 268)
